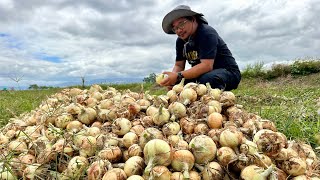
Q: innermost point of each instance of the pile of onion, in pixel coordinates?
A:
(191, 132)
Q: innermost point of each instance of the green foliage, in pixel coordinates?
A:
(298, 68)
(36, 87)
(253, 71)
(305, 67)
(150, 79)
(277, 70)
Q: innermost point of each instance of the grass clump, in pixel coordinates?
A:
(300, 67)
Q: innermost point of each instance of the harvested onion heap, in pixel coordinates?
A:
(192, 132)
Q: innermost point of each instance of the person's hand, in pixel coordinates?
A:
(170, 80)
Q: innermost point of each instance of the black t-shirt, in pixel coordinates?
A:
(206, 44)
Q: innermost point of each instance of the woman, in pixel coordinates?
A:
(198, 43)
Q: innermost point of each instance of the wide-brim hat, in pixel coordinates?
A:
(178, 12)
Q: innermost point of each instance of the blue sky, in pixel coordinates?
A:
(55, 42)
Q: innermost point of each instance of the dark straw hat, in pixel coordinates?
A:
(178, 12)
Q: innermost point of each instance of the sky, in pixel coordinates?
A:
(53, 42)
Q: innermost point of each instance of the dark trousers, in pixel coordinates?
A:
(219, 78)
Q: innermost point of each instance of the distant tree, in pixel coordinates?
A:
(150, 79)
(33, 86)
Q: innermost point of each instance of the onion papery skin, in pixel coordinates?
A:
(115, 174)
(212, 171)
(183, 160)
(225, 155)
(203, 148)
(156, 152)
(134, 166)
(269, 142)
(294, 166)
(230, 137)
(253, 172)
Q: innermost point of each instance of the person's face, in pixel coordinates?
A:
(182, 27)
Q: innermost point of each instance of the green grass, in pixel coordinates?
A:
(14, 103)
(288, 101)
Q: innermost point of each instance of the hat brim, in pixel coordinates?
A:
(173, 15)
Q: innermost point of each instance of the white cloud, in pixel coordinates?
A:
(102, 39)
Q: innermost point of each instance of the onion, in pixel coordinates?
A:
(225, 155)
(227, 98)
(188, 96)
(161, 117)
(135, 150)
(214, 120)
(135, 177)
(87, 115)
(160, 173)
(106, 104)
(194, 175)
(179, 87)
(269, 142)
(171, 128)
(137, 129)
(285, 154)
(144, 104)
(17, 146)
(215, 93)
(149, 134)
(182, 160)
(177, 110)
(212, 170)
(203, 148)
(248, 147)
(160, 78)
(201, 89)
(97, 169)
(151, 110)
(3, 139)
(156, 152)
(172, 95)
(230, 137)
(112, 154)
(87, 145)
(34, 171)
(115, 174)
(93, 131)
(106, 115)
(121, 126)
(294, 166)
(253, 172)
(76, 166)
(214, 106)
(74, 126)
(278, 174)
(187, 125)
(134, 166)
(91, 102)
(201, 128)
(129, 139)
(176, 176)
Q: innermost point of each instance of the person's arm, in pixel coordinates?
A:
(205, 66)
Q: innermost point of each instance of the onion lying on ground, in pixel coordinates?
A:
(156, 152)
